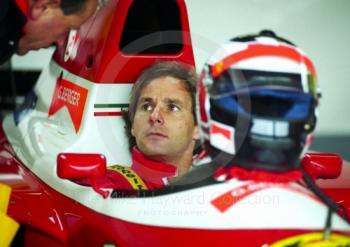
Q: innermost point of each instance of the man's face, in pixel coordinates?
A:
(47, 27)
(164, 126)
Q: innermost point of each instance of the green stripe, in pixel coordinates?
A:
(111, 105)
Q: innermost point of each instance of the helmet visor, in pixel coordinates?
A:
(236, 81)
(274, 95)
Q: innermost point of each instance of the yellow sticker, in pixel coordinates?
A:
(5, 192)
(314, 240)
(134, 180)
(8, 226)
(8, 229)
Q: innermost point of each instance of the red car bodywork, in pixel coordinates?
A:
(50, 218)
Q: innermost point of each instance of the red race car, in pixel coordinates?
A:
(76, 109)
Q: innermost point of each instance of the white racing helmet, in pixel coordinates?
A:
(257, 98)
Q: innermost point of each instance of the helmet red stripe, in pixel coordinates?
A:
(256, 50)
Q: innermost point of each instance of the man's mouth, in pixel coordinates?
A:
(156, 135)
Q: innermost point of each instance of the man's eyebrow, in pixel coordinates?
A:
(145, 99)
(173, 101)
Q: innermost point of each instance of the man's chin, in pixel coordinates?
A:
(154, 153)
(24, 48)
(22, 51)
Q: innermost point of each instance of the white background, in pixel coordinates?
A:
(319, 27)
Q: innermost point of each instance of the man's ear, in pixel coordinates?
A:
(196, 134)
(39, 6)
(132, 132)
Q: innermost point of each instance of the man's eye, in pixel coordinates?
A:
(146, 107)
(174, 107)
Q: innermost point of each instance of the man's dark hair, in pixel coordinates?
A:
(72, 6)
(185, 73)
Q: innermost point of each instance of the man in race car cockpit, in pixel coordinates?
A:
(162, 121)
(33, 24)
(161, 127)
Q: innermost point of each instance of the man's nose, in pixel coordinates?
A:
(157, 115)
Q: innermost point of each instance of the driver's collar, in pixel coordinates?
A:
(153, 172)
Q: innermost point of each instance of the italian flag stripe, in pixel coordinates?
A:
(106, 114)
(111, 105)
(105, 110)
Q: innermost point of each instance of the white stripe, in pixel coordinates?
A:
(108, 109)
(262, 127)
(281, 128)
(270, 128)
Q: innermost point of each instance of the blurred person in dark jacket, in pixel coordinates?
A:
(33, 24)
